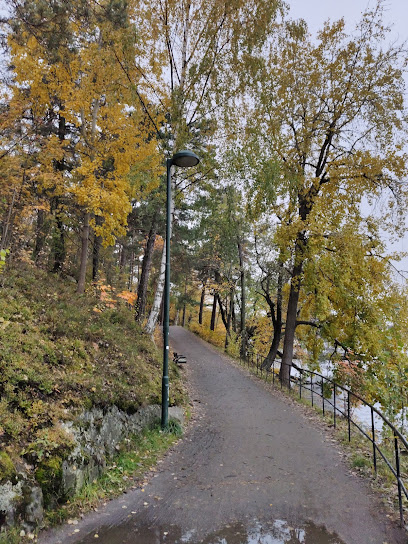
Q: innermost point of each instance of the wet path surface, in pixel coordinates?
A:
(251, 469)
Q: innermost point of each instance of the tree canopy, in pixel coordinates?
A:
(276, 247)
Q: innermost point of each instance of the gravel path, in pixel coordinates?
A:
(252, 468)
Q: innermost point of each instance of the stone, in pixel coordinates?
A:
(96, 435)
(10, 496)
(33, 506)
(177, 413)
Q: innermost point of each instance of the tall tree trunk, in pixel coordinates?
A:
(243, 350)
(131, 268)
(123, 258)
(84, 254)
(184, 303)
(140, 307)
(8, 222)
(223, 313)
(213, 313)
(96, 251)
(59, 249)
(229, 318)
(39, 235)
(155, 310)
(276, 316)
(183, 318)
(291, 314)
(273, 350)
(200, 313)
(233, 316)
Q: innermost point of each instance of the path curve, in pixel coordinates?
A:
(251, 468)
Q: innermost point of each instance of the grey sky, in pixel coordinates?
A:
(315, 12)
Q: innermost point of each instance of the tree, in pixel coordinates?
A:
(78, 76)
(199, 54)
(332, 113)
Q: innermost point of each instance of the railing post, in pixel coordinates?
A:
(397, 465)
(373, 433)
(323, 394)
(334, 405)
(348, 416)
(311, 387)
(300, 383)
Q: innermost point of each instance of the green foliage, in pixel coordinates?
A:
(48, 475)
(10, 536)
(360, 461)
(7, 469)
(3, 255)
(174, 428)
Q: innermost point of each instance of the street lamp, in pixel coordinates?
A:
(185, 159)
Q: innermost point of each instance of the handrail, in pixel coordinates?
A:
(399, 439)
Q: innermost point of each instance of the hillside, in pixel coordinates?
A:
(61, 353)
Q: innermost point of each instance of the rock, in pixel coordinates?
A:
(177, 413)
(97, 435)
(10, 496)
(33, 506)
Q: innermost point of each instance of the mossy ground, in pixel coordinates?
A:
(60, 353)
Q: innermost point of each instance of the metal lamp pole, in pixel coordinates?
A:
(185, 159)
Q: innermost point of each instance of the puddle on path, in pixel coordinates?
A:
(272, 532)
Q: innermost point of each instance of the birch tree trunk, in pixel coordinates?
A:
(155, 311)
(140, 307)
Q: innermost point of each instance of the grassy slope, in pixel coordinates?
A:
(59, 354)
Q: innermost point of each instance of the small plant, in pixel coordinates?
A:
(174, 428)
(3, 256)
(360, 461)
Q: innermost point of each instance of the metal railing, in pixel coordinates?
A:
(326, 389)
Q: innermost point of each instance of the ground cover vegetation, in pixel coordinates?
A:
(278, 235)
(59, 359)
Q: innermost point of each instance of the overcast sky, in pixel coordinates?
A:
(316, 12)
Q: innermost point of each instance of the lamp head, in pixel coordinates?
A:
(185, 159)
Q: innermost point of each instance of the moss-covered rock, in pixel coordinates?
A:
(7, 469)
(49, 476)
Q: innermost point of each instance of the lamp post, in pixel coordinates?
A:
(185, 159)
